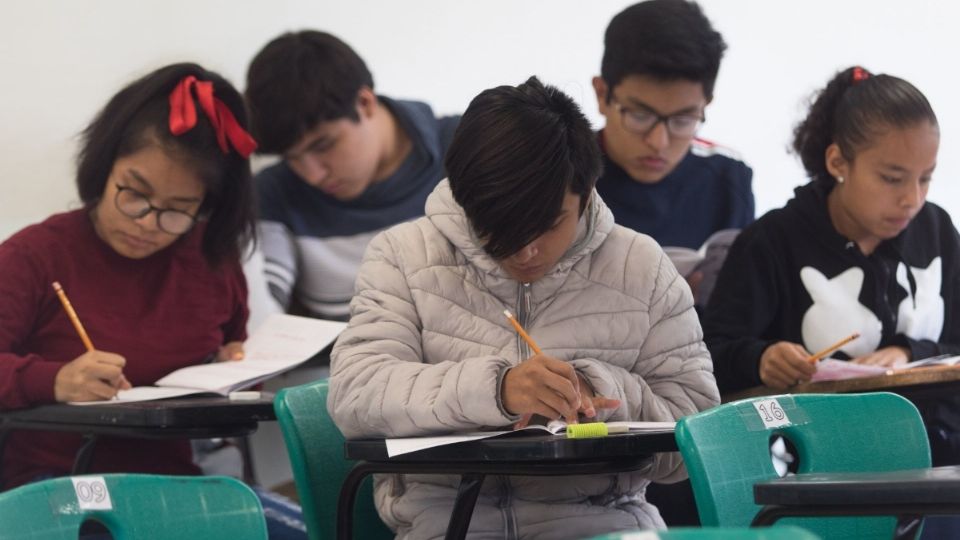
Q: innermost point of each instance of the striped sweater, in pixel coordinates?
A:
(313, 243)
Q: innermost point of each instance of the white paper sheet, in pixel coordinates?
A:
(942, 360)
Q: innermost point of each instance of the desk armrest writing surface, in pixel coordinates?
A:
(179, 417)
(933, 381)
(925, 486)
(909, 495)
(522, 448)
(521, 454)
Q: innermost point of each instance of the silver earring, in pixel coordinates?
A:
(839, 179)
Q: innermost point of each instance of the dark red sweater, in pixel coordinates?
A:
(161, 313)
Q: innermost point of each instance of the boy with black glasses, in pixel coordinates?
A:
(660, 63)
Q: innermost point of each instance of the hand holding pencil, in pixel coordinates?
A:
(92, 376)
(547, 386)
(786, 364)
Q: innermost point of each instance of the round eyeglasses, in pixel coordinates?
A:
(134, 204)
(642, 121)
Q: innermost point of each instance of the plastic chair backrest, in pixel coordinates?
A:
(727, 450)
(315, 447)
(141, 507)
(716, 533)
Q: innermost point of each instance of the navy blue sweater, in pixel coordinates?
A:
(707, 192)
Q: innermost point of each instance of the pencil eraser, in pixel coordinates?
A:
(248, 395)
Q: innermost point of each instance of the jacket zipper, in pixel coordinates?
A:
(523, 312)
(523, 352)
(506, 510)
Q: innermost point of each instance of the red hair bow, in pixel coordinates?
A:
(183, 116)
(860, 74)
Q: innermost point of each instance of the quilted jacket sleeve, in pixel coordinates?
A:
(673, 375)
(379, 384)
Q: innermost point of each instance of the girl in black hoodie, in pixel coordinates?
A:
(858, 249)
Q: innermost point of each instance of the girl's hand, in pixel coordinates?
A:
(886, 357)
(92, 376)
(785, 364)
(230, 352)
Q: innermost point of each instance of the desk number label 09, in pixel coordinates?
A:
(771, 413)
(92, 493)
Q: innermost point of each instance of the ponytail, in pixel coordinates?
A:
(850, 111)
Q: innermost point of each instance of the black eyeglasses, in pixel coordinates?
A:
(643, 121)
(134, 204)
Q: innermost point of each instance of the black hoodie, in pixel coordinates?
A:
(907, 292)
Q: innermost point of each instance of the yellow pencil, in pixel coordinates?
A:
(73, 315)
(525, 419)
(815, 357)
(523, 333)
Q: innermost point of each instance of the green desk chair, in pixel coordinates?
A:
(727, 449)
(315, 447)
(141, 507)
(716, 533)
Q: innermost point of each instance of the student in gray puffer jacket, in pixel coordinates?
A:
(518, 226)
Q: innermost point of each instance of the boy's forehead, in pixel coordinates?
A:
(327, 129)
(646, 88)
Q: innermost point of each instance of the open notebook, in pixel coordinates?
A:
(279, 344)
(396, 447)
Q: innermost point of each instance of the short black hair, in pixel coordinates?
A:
(299, 80)
(850, 110)
(668, 40)
(516, 154)
(138, 117)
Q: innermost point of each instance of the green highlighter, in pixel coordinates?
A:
(592, 429)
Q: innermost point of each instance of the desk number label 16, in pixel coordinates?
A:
(771, 413)
(92, 493)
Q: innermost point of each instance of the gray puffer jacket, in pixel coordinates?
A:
(428, 345)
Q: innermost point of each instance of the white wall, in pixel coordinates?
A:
(60, 60)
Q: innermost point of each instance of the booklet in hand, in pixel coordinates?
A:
(281, 343)
(707, 260)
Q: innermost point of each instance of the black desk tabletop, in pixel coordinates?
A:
(919, 486)
(143, 417)
(523, 448)
(513, 454)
